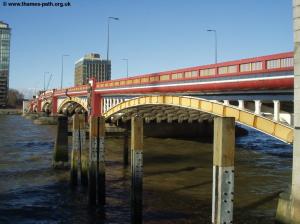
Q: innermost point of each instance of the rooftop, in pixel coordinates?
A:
(4, 25)
(90, 57)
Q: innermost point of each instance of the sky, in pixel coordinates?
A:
(154, 35)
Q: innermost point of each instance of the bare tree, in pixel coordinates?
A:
(15, 98)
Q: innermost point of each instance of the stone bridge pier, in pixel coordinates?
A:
(288, 210)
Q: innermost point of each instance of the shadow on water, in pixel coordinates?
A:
(193, 186)
(186, 169)
(258, 141)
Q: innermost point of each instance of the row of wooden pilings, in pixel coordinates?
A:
(89, 163)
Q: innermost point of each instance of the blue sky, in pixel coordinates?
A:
(155, 35)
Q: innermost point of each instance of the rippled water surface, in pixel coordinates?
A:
(177, 180)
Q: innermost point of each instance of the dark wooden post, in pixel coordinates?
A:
(125, 149)
(101, 162)
(60, 157)
(93, 148)
(75, 150)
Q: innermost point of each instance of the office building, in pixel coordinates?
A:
(4, 62)
(91, 65)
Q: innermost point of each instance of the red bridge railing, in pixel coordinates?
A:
(264, 64)
(257, 65)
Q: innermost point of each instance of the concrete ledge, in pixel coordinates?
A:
(283, 213)
(31, 116)
(10, 112)
(46, 121)
(61, 165)
(288, 210)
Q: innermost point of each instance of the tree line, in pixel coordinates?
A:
(14, 98)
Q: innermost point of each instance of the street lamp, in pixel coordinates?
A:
(216, 44)
(126, 59)
(45, 80)
(62, 69)
(108, 20)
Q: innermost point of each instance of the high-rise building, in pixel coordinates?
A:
(91, 65)
(4, 62)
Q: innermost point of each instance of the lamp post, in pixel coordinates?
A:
(45, 80)
(126, 59)
(108, 20)
(216, 43)
(62, 69)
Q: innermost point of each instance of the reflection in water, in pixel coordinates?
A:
(177, 179)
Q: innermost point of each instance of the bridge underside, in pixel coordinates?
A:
(71, 107)
(159, 113)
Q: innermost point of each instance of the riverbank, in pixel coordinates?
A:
(10, 111)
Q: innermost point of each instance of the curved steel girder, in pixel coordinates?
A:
(157, 103)
(69, 100)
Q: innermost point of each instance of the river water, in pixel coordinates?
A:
(177, 179)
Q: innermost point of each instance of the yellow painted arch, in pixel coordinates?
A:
(265, 125)
(46, 105)
(73, 99)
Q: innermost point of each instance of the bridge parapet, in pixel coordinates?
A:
(272, 63)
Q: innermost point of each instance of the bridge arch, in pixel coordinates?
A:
(46, 106)
(73, 102)
(260, 123)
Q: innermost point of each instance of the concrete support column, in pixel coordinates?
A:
(288, 209)
(223, 170)
(60, 157)
(104, 108)
(136, 170)
(295, 191)
(110, 103)
(106, 104)
(25, 107)
(241, 104)
(276, 109)
(101, 162)
(226, 102)
(257, 107)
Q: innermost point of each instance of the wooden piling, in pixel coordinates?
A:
(75, 150)
(125, 148)
(93, 147)
(78, 154)
(136, 170)
(101, 162)
(60, 156)
(82, 149)
(223, 170)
